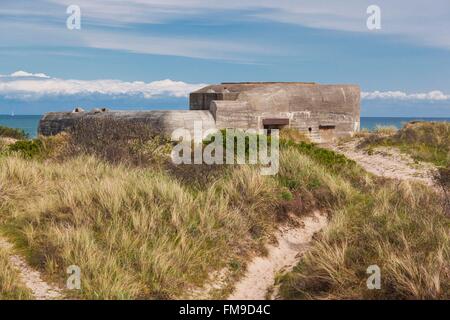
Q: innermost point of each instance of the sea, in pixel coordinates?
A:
(29, 123)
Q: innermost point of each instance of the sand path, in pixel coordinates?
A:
(282, 257)
(387, 162)
(293, 242)
(32, 278)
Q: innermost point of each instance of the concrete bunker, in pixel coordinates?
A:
(322, 112)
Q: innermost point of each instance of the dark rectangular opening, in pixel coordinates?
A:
(327, 127)
(275, 122)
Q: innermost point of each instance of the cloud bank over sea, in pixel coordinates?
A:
(23, 85)
(35, 93)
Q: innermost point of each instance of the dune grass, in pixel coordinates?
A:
(140, 229)
(13, 133)
(385, 130)
(150, 232)
(424, 141)
(399, 226)
(135, 233)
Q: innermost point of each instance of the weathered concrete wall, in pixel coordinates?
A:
(308, 106)
(321, 111)
(231, 114)
(202, 100)
(161, 121)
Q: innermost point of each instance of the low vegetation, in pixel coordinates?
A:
(11, 286)
(136, 229)
(442, 181)
(424, 141)
(140, 227)
(135, 233)
(6, 132)
(400, 227)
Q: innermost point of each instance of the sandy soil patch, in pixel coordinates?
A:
(282, 257)
(32, 278)
(387, 162)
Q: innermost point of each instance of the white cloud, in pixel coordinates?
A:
(37, 86)
(27, 86)
(19, 74)
(399, 95)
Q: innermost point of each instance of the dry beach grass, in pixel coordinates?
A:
(134, 233)
(139, 228)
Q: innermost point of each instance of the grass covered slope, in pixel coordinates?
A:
(138, 227)
(401, 227)
(424, 141)
(150, 231)
(135, 233)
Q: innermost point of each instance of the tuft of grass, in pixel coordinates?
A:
(313, 182)
(140, 232)
(385, 130)
(333, 162)
(13, 133)
(294, 135)
(43, 148)
(3, 145)
(325, 157)
(363, 133)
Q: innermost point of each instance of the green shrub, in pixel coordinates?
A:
(287, 195)
(13, 133)
(238, 136)
(326, 157)
(27, 148)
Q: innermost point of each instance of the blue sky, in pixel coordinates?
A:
(152, 53)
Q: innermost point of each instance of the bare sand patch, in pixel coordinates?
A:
(292, 242)
(32, 278)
